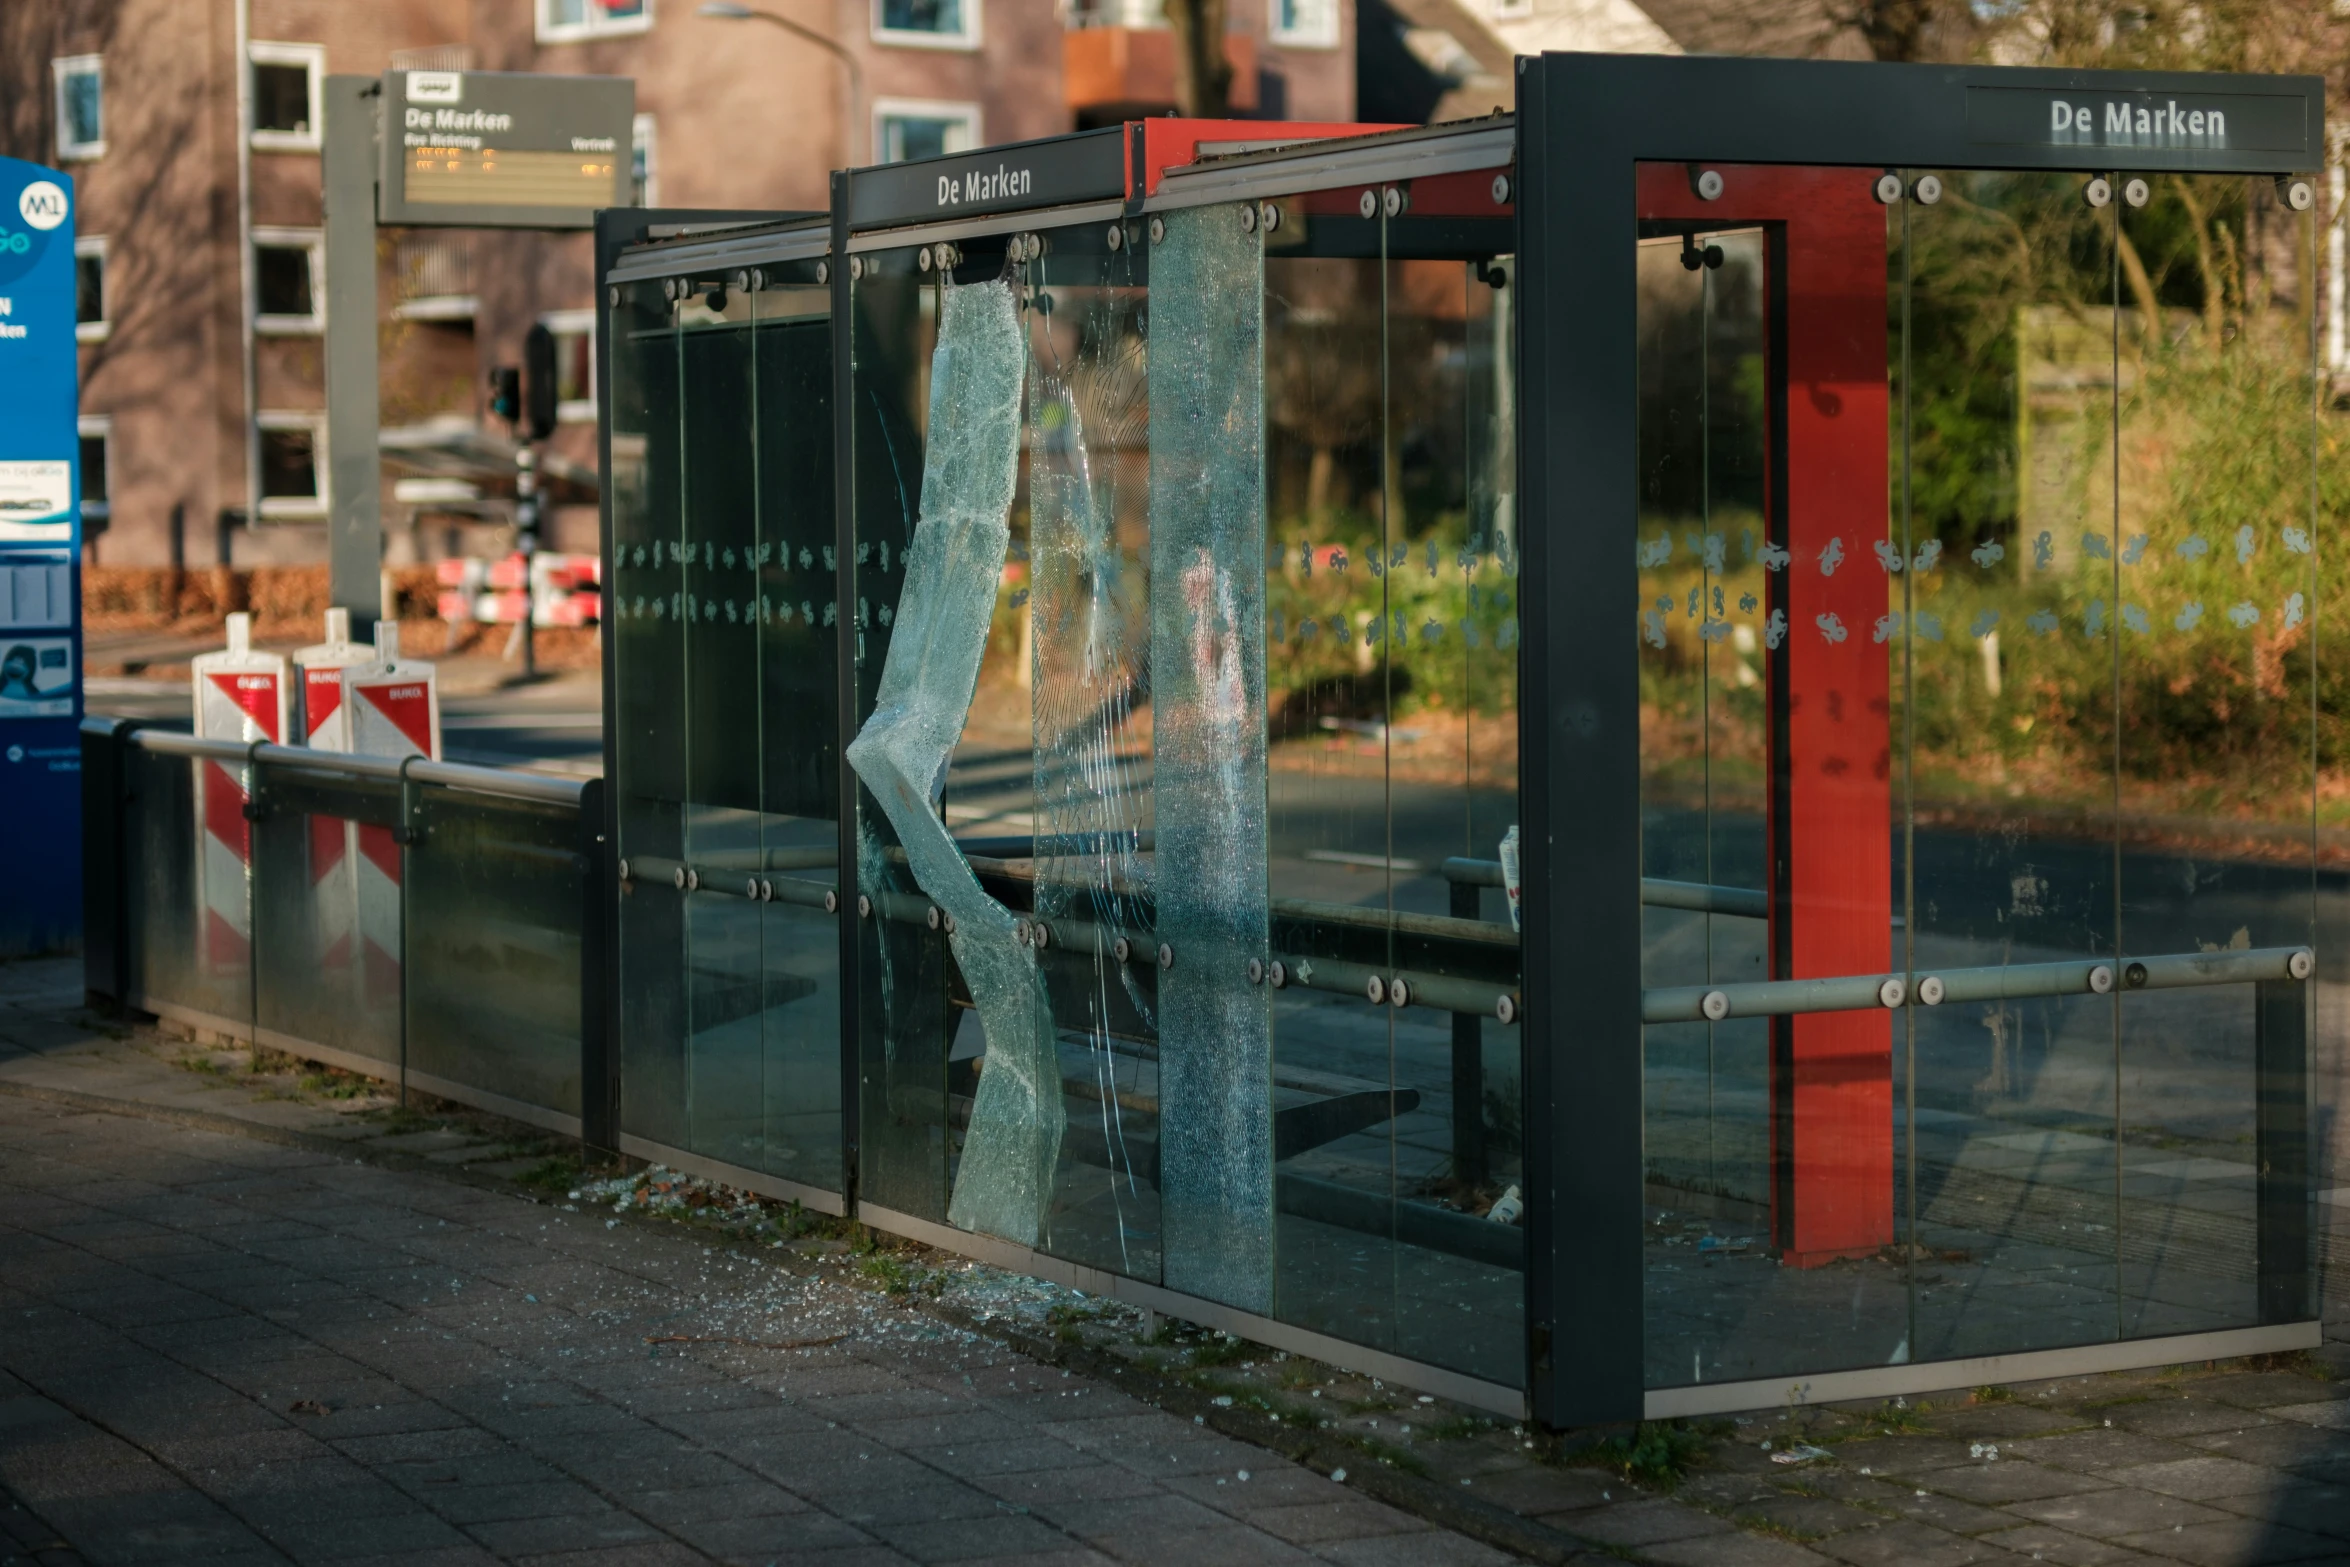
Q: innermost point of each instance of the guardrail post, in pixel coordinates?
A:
(2280, 1050)
(1468, 1065)
(106, 903)
(598, 1080)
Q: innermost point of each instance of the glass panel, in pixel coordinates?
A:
(2042, 717)
(326, 913)
(799, 706)
(912, 1006)
(495, 889)
(2215, 561)
(648, 628)
(725, 980)
(1083, 655)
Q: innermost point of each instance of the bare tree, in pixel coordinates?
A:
(1203, 77)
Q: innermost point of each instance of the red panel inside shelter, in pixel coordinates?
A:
(1830, 816)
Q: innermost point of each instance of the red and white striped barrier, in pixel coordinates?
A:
(563, 590)
(390, 706)
(334, 891)
(242, 695)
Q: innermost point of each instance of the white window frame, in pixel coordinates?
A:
(100, 428)
(886, 109)
(312, 57)
(913, 38)
(1322, 34)
(99, 330)
(575, 323)
(290, 508)
(597, 26)
(644, 133)
(59, 70)
(312, 241)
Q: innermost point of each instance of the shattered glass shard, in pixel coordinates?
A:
(1208, 697)
(952, 566)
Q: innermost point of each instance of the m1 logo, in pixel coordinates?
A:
(42, 204)
(436, 86)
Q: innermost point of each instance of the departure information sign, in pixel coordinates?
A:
(499, 149)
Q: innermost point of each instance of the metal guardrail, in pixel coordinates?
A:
(502, 782)
(1871, 992)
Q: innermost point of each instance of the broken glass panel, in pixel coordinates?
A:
(1208, 698)
(952, 566)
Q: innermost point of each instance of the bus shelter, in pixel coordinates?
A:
(1628, 761)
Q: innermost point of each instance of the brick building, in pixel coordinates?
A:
(199, 250)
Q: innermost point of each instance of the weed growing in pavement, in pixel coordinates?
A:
(1221, 1350)
(1658, 1451)
(1459, 1428)
(1899, 1417)
(1385, 1452)
(2300, 1362)
(556, 1174)
(1993, 1394)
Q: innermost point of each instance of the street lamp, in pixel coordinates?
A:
(730, 11)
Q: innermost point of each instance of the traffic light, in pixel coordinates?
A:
(506, 393)
(538, 380)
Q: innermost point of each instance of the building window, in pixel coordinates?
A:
(1305, 24)
(644, 162)
(81, 107)
(561, 21)
(575, 364)
(293, 476)
(287, 267)
(927, 24)
(89, 289)
(97, 433)
(906, 129)
(285, 96)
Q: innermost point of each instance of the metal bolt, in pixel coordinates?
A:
(2298, 195)
(1116, 237)
(693, 879)
(1278, 974)
(677, 878)
(1930, 990)
(922, 258)
(614, 294)
(823, 271)
(1166, 956)
(2135, 976)
(864, 906)
(831, 901)
(1888, 189)
(1715, 1006)
(2301, 964)
(932, 917)
(2101, 979)
(758, 279)
(1393, 200)
(1248, 218)
(1122, 950)
(1709, 185)
(1376, 989)
(624, 868)
(1928, 189)
(1501, 190)
(1399, 992)
(1268, 217)
(948, 924)
(742, 281)
(1368, 206)
(1891, 992)
(751, 889)
(2098, 192)
(1041, 935)
(1022, 934)
(2136, 192)
(856, 268)
(1256, 971)
(1158, 231)
(1505, 1008)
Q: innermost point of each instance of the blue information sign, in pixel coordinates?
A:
(40, 567)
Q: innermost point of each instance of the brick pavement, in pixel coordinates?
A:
(215, 1348)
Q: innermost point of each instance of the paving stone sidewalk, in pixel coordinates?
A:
(368, 1340)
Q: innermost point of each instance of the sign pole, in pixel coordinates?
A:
(354, 463)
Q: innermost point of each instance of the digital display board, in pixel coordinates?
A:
(497, 149)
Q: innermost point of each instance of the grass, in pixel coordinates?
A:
(555, 1175)
(1385, 1452)
(1221, 1351)
(1993, 1394)
(1898, 1419)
